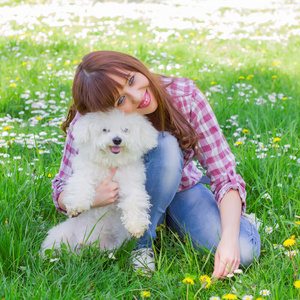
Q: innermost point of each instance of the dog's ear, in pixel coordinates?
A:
(81, 130)
(148, 135)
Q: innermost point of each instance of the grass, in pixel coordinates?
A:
(252, 83)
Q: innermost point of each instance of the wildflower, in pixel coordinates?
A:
(145, 294)
(229, 296)
(7, 128)
(213, 82)
(297, 284)
(241, 77)
(38, 118)
(245, 131)
(291, 253)
(297, 222)
(238, 271)
(188, 280)
(24, 63)
(277, 139)
(247, 297)
(214, 298)
(238, 143)
(12, 85)
(268, 229)
(274, 76)
(205, 281)
(264, 292)
(289, 242)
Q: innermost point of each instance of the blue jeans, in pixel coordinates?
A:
(193, 212)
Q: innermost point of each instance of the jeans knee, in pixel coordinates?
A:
(170, 152)
(250, 248)
(166, 160)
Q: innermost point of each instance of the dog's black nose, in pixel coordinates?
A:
(117, 140)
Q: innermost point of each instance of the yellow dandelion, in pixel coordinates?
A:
(277, 139)
(49, 65)
(145, 294)
(297, 284)
(284, 98)
(289, 242)
(38, 118)
(205, 280)
(263, 69)
(274, 76)
(188, 280)
(249, 77)
(213, 82)
(75, 62)
(66, 63)
(297, 222)
(7, 128)
(180, 39)
(263, 51)
(24, 63)
(238, 143)
(241, 77)
(246, 131)
(12, 85)
(195, 78)
(229, 296)
(276, 63)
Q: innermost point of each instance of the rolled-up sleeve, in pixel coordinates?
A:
(65, 170)
(215, 155)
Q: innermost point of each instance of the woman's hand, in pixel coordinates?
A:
(107, 191)
(227, 257)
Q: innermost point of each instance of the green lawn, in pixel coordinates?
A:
(246, 61)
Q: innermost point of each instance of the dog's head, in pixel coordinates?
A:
(114, 138)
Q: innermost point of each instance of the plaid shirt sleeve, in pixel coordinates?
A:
(215, 155)
(65, 170)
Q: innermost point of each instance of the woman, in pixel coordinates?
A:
(189, 129)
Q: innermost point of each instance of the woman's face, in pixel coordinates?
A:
(136, 95)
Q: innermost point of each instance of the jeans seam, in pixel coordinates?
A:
(184, 232)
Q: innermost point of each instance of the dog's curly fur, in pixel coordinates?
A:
(105, 141)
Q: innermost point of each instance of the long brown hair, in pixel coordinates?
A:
(95, 90)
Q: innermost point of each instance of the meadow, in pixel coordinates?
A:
(244, 58)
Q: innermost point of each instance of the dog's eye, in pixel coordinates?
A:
(106, 130)
(124, 129)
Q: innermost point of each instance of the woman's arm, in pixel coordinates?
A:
(227, 257)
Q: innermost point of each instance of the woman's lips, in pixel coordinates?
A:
(146, 100)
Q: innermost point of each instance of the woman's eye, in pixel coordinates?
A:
(131, 80)
(121, 100)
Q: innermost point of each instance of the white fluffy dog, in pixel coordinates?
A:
(105, 141)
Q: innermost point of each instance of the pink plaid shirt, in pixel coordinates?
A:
(215, 155)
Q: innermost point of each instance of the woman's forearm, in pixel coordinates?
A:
(230, 210)
(60, 201)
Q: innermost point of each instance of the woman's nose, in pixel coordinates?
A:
(135, 95)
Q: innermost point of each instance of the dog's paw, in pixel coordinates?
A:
(74, 212)
(136, 231)
(137, 234)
